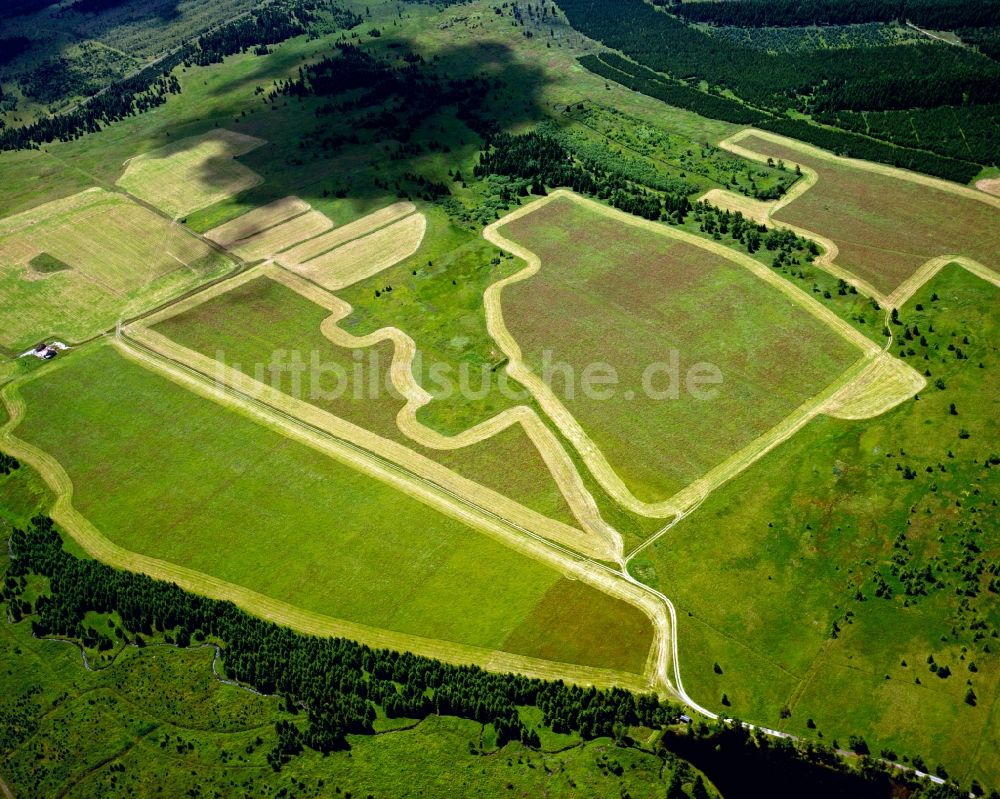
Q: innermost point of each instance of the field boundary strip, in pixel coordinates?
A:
(567, 562)
(683, 500)
(597, 539)
(359, 436)
(763, 212)
(365, 256)
(246, 225)
(345, 234)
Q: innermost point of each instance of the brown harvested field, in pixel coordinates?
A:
(281, 237)
(353, 230)
(257, 220)
(564, 623)
(248, 325)
(192, 173)
(885, 227)
(366, 256)
(120, 257)
(614, 293)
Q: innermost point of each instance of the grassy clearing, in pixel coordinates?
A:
(157, 717)
(192, 173)
(883, 226)
(73, 266)
(610, 293)
(437, 299)
(204, 493)
(674, 156)
(263, 322)
(807, 538)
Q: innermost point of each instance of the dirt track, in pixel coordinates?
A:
(596, 539)
(861, 390)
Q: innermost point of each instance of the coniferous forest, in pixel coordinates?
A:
(667, 58)
(339, 685)
(150, 87)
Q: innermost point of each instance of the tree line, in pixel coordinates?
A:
(644, 80)
(935, 14)
(339, 684)
(150, 87)
(666, 57)
(540, 160)
(869, 76)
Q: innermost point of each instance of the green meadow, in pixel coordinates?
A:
(833, 582)
(612, 293)
(250, 326)
(165, 473)
(157, 717)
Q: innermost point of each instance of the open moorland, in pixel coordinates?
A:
(845, 583)
(182, 470)
(884, 223)
(617, 294)
(159, 716)
(72, 267)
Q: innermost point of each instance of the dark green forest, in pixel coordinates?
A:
(272, 23)
(667, 58)
(936, 14)
(335, 685)
(641, 79)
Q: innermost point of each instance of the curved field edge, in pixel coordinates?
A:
(820, 639)
(96, 545)
(596, 539)
(609, 480)
(764, 212)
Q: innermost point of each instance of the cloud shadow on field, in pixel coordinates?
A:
(315, 152)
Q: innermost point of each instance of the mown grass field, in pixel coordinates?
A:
(282, 236)
(763, 571)
(71, 267)
(192, 173)
(367, 256)
(884, 227)
(158, 717)
(263, 322)
(163, 472)
(620, 295)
